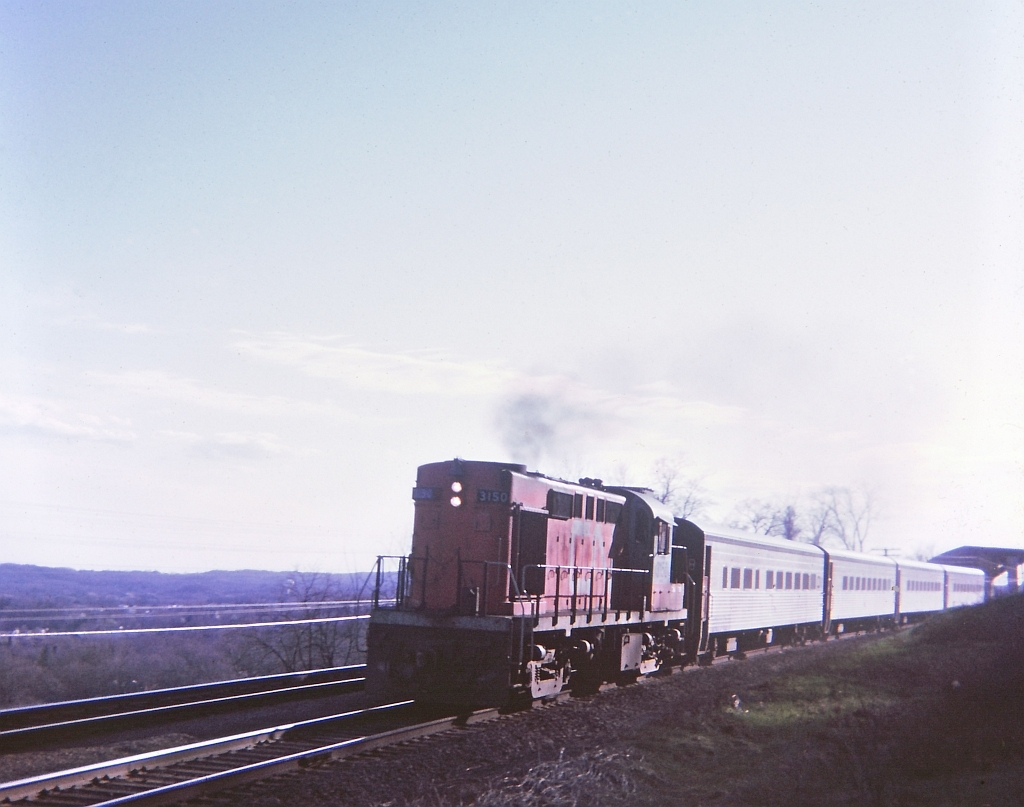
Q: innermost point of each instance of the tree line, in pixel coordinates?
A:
(837, 516)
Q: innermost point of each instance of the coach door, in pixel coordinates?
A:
(688, 537)
(705, 625)
(826, 615)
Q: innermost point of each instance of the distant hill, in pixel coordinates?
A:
(24, 586)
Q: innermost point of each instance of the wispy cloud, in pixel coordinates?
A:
(396, 372)
(231, 445)
(160, 384)
(51, 419)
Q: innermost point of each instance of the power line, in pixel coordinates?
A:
(128, 610)
(182, 629)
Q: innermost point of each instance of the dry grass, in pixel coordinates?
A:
(933, 716)
(595, 778)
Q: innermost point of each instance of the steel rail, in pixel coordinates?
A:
(139, 766)
(36, 714)
(20, 739)
(23, 788)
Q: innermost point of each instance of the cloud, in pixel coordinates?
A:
(404, 373)
(50, 419)
(231, 445)
(157, 383)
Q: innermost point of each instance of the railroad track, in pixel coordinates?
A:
(35, 726)
(187, 772)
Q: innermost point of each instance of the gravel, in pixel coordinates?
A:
(526, 755)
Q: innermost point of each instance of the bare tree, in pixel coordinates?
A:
(768, 518)
(818, 522)
(685, 495)
(311, 644)
(789, 523)
(834, 515)
(756, 515)
(849, 515)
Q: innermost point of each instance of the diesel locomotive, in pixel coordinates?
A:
(521, 586)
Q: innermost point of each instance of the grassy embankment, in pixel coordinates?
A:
(932, 716)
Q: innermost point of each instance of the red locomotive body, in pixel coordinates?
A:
(515, 579)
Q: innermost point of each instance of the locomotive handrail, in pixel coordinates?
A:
(604, 596)
(586, 568)
(519, 598)
(401, 579)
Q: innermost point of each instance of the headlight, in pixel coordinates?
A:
(456, 487)
(456, 501)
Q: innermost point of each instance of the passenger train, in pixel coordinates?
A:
(521, 586)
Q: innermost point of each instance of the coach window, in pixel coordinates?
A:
(590, 508)
(757, 578)
(663, 537)
(600, 509)
(769, 579)
(789, 580)
(748, 578)
(735, 579)
(725, 577)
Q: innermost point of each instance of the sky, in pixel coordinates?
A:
(259, 261)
